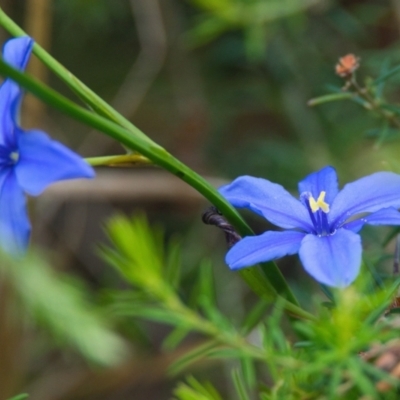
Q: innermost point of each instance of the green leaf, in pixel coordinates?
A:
(21, 396)
(194, 390)
(254, 316)
(59, 304)
(249, 372)
(205, 31)
(384, 70)
(335, 380)
(173, 262)
(223, 352)
(206, 282)
(361, 379)
(380, 374)
(140, 250)
(195, 355)
(328, 98)
(152, 313)
(387, 75)
(383, 134)
(239, 385)
(175, 338)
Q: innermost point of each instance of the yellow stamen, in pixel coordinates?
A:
(315, 205)
(14, 156)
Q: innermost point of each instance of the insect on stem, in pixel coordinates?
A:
(212, 216)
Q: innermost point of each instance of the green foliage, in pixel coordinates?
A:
(256, 18)
(194, 390)
(60, 304)
(321, 359)
(141, 257)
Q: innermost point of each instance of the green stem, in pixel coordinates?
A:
(374, 105)
(169, 299)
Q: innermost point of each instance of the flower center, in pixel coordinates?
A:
(318, 210)
(8, 156)
(14, 156)
(315, 205)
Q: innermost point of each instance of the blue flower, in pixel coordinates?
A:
(322, 225)
(29, 160)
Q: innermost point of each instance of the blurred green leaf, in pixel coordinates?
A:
(140, 251)
(360, 379)
(378, 373)
(20, 397)
(198, 353)
(385, 76)
(255, 316)
(254, 18)
(249, 372)
(391, 107)
(239, 385)
(60, 304)
(205, 31)
(336, 379)
(175, 338)
(382, 134)
(255, 40)
(383, 71)
(173, 262)
(206, 292)
(194, 390)
(330, 97)
(215, 5)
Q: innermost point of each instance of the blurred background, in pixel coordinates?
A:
(221, 84)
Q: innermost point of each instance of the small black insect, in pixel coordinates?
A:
(212, 216)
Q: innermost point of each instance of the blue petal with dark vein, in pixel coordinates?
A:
(368, 194)
(16, 52)
(323, 180)
(268, 199)
(333, 260)
(386, 216)
(268, 246)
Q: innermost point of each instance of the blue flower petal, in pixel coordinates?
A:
(368, 194)
(10, 98)
(16, 52)
(386, 216)
(43, 161)
(268, 246)
(268, 199)
(323, 180)
(333, 260)
(14, 223)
